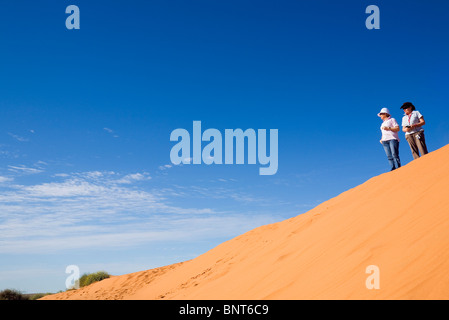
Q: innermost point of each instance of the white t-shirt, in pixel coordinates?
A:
(412, 118)
(386, 134)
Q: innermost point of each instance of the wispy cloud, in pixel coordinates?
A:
(111, 132)
(5, 179)
(25, 170)
(108, 209)
(18, 138)
(130, 178)
(7, 153)
(101, 209)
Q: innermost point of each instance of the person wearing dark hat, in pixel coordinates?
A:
(412, 124)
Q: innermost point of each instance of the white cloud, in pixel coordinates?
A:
(18, 138)
(107, 209)
(5, 179)
(89, 209)
(62, 175)
(111, 132)
(52, 236)
(69, 188)
(130, 178)
(24, 169)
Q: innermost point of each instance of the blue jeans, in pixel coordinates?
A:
(392, 150)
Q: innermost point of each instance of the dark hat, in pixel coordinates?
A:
(407, 105)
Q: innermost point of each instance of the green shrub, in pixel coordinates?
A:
(11, 294)
(89, 278)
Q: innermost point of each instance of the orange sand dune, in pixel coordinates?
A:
(398, 221)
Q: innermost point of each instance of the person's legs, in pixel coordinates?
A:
(413, 146)
(394, 147)
(420, 141)
(386, 145)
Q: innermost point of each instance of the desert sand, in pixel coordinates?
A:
(397, 221)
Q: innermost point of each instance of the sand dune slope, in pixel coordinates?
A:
(398, 221)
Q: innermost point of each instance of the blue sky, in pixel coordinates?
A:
(86, 117)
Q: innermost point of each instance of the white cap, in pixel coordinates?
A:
(384, 110)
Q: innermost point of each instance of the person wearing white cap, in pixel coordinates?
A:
(390, 138)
